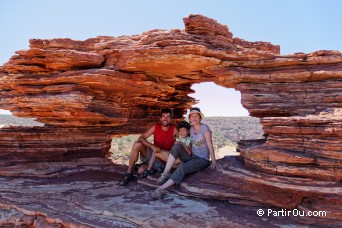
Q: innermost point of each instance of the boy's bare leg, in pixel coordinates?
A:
(162, 155)
(167, 184)
(170, 161)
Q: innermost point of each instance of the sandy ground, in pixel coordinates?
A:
(227, 150)
(7, 120)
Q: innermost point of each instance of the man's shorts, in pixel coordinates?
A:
(158, 165)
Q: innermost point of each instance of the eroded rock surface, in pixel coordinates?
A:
(87, 194)
(86, 92)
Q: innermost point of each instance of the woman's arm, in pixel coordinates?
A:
(209, 141)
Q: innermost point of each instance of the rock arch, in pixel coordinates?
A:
(88, 91)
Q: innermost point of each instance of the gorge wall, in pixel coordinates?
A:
(87, 92)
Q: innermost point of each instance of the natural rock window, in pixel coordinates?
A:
(87, 92)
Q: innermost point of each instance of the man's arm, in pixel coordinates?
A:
(143, 139)
(175, 133)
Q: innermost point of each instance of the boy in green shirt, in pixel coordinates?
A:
(184, 140)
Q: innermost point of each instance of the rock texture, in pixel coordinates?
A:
(237, 184)
(86, 194)
(23, 144)
(89, 91)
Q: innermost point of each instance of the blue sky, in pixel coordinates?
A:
(297, 26)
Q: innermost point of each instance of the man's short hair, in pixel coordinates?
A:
(166, 110)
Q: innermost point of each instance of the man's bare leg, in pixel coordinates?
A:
(137, 148)
(164, 156)
(142, 168)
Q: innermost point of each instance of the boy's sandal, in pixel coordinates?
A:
(163, 178)
(157, 194)
(128, 178)
(146, 173)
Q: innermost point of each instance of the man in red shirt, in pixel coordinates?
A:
(165, 134)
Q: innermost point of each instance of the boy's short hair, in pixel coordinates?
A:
(166, 110)
(183, 124)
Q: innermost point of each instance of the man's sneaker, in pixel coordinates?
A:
(157, 194)
(163, 178)
(128, 177)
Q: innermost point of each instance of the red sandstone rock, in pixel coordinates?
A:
(235, 183)
(51, 60)
(199, 25)
(86, 194)
(87, 91)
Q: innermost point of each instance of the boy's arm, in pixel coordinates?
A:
(187, 148)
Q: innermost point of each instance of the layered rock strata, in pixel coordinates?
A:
(297, 197)
(86, 194)
(88, 91)
(26, 144)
